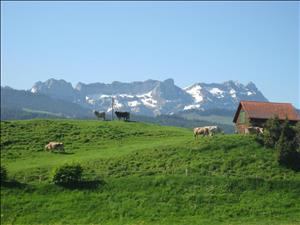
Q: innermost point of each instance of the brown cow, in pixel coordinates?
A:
(201, 131)
(51, 146)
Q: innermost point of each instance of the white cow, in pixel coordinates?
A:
(51, 146)
(206, 131)
(254, 130)
(213, 130)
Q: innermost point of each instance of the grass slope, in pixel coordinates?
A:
(150, 175)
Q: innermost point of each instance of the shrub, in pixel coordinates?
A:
(286, 146)
(272, 132)
(67, 175)
(297, 135)
(3, 173)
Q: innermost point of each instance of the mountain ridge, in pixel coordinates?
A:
(151, 97)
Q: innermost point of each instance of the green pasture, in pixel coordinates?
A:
(145, 174)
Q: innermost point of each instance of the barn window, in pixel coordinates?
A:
(242, 117)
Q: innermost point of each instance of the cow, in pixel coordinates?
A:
(99, 114)
(124, 115)
(254, 130)
(51, 146)
(213, 130)
(204, 131)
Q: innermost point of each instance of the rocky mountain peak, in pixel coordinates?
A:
(169, 82)
(251, 85)
(60, 89)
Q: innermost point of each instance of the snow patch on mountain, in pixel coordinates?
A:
(117, 104)
(133, 103)
(33, 90)
(149, 102)
(195, 91)
(216, 91)
(126, 96)
(103, 96)
(146, 95)
(188, 107)
(90, 100)
(147, 99)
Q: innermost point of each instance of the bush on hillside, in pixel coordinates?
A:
(297, 135)
(272, 132)
(3, 173)
(287, 146)
(67, 175)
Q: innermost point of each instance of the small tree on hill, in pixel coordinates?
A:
(272, 132)
(287, 148)
(67, 175)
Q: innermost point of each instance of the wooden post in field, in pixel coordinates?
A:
(112, 108)
(186, 171)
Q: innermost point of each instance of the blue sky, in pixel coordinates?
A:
(128, 41)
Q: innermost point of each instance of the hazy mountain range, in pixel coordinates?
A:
(151, 97)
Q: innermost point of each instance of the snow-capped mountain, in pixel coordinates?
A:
(226, 95)
(151, 97)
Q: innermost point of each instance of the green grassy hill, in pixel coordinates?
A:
(149, 175)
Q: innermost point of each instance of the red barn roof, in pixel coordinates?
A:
(267, 110)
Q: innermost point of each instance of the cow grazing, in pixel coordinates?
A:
(204, 131)
(51, 146)
(123, 115)
(214, 130)
(254, 130)
(207, 131)
(99, 114)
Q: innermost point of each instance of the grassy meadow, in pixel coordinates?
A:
(145, 174)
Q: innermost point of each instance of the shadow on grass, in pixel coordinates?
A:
(84, 185)
(130, 121)
(64, 153)
(13, 184)
(292, 161)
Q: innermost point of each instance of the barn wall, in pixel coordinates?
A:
(240, 127)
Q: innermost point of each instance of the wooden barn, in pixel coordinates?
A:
(253, 113)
